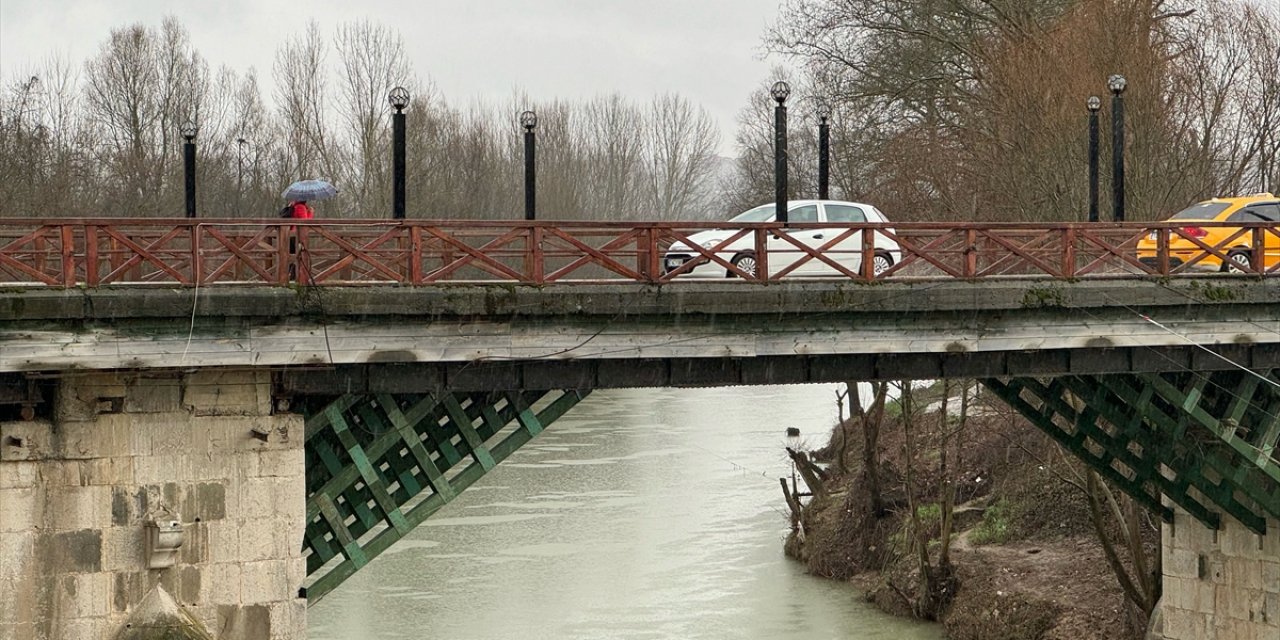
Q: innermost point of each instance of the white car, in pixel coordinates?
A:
(838, 244)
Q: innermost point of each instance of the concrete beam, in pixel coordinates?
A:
(684, 298)
(731, 371)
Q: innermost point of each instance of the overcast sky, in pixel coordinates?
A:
(706, 50)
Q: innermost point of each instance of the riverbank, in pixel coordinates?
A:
(1024, 561)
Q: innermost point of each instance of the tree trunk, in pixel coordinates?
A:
(814, 477)
(793, 503)
(871, 418)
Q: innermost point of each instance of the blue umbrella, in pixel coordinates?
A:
(310, 190)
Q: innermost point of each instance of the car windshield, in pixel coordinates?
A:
(762, 213)
(1201, 211)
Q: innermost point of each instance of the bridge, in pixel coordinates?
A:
(213, 373)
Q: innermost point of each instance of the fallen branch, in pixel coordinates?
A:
(793, 503)
(814, 476)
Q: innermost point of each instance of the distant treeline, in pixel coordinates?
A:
(102, 139)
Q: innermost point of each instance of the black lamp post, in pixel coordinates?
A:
(399, 99)
(240, 145)
(824, 149)
(189, 131)
(1094, 103)
(1117, 83)
(780, 91)
(529, 120)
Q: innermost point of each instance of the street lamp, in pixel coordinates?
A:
(824, 149)
(399, 99)
(780, 91)
(1094, 103)
(189, 130)
(1117, 84)
(529, 120)
(240, 145)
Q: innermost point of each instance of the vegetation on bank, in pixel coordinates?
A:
(955, 509)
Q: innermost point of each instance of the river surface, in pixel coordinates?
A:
(641, 514)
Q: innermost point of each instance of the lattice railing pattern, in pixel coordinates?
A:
(379, 465)
(1205, 440)
(207, 252)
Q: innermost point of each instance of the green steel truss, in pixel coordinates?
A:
(1205, 440)
(379, 465)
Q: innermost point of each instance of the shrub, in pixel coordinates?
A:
(996, 526)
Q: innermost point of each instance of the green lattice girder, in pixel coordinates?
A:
(379, 465)
(1205, 440)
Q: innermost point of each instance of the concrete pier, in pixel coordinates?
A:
(1220, 585)
(121, 453)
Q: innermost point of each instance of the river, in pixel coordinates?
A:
(640, 514)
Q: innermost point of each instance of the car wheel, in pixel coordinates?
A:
(1238, 262)
(881, 263)
(745, 262)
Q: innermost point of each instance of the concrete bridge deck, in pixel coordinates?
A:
(595, 336)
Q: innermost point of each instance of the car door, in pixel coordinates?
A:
(1264, 212)
(783, 253)
(848, 251)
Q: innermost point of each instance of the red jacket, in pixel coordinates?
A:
(302, 211)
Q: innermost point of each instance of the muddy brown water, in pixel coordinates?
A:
(641, 514)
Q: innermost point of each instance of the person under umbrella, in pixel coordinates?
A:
(298, 194)
(302, 191)
(298, 209)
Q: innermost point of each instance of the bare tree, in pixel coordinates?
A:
(868, 419)
(373, 61)
(252, 138)
(611, 138)
(59, 189)
(682, 140)
(140, 88)
(123, 107)
(1262, 38)
(561, 192)
(23, 140)
(301, 92)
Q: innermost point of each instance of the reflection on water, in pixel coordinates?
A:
(640, 514)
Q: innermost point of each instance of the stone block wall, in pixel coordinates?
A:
(1220, 585)
(76, 490)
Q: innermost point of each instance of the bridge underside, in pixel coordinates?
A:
(798, 368)
(379, 464)
(1206, 441)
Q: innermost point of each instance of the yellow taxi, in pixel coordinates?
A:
(1261, 207)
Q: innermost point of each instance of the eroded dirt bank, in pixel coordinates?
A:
(1025, 561)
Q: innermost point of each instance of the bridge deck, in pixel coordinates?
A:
(715, 333)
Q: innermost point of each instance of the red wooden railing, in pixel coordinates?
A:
(183, 252)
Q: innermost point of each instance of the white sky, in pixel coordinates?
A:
(706, 50)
